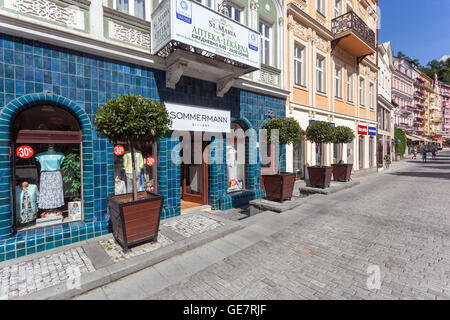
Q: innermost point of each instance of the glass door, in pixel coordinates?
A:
(194, 178)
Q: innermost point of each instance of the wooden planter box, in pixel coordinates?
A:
(135, 222)
(320, 177)
(279, 187)
(342, 172)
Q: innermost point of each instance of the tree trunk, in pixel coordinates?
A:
(280, 149)
(133, 165)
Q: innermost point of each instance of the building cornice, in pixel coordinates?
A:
(330, 113)
(299, 14)
(126, 18)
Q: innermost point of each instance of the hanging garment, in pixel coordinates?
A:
(51, 185)
(119, 187)
(138, 160)
(26, 203)
(51, 190)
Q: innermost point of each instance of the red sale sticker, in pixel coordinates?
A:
(24, 152)
(150, 161)
(119, 150)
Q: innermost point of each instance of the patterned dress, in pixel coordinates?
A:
(26, 212)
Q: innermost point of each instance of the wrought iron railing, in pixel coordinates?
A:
(351, 21)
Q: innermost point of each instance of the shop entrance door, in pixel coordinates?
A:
(194, 180)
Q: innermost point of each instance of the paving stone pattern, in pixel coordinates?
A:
(398, 222)
(191, 225)
(115, 251)
(29, 276)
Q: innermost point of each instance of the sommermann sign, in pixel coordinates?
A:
(194, 24)
(189, 118)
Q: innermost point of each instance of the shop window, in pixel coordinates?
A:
(236, 163)
(298, 160)
(361, 152)
(145, 164)
(46, 162)
(319, 153)
(336, 152)
(350, 155)
(268, 164)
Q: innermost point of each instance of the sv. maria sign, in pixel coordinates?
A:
(196, 25)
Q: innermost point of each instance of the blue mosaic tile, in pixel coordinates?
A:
(81, 82)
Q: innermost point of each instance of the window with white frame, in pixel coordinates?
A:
(133, 7)
(338, 81)
(299, 58)
(349, 86)
(371, 95)
(320, 73)
(266, 35)
(337, 8)
(236, 13)
(361, 91)
(320, 6)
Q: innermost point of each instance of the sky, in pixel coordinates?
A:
(418, 28)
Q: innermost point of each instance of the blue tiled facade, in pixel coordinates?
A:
(34, 73)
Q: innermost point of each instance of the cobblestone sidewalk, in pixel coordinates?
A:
(26, 277)
(43, 271)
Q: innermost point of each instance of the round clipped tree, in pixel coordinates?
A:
(134, 119)
(289, 130)
(343, 134)
(320, 132)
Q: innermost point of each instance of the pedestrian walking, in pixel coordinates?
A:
(424, 154)
(415, 154)
(433, 153)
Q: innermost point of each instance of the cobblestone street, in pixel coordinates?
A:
(396, 222)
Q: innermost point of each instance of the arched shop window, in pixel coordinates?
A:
(47, 180)
(145, 161)
(236, 163)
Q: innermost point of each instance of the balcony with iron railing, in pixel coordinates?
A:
(353, 35)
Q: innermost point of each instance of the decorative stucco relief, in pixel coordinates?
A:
(320, 43)
(71, 16)
(297, 28)
(268, 77)
(301, 4)
(129, 34)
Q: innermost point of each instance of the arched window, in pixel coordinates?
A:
(47, 180)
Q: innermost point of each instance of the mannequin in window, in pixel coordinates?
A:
(27, 196)
(51, 185)
(119, 186)
(127, 163)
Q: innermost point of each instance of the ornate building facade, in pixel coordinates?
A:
(62, 59)
(332, 76)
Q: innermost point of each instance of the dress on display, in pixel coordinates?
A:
(26, 205)
(51, 184)
(127, 163)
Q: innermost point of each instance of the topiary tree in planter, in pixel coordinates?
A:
(342, 171)
(280, 186)
(320, 132)
(136, 120)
